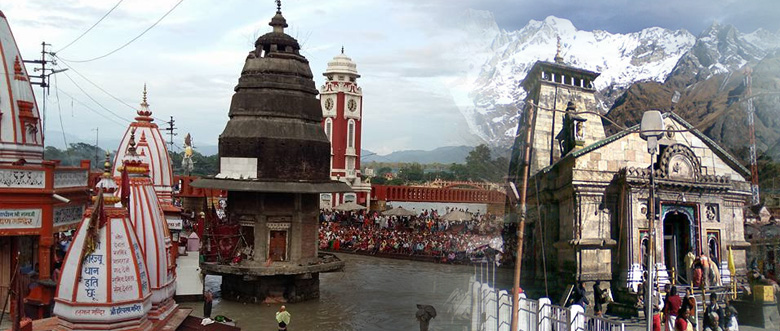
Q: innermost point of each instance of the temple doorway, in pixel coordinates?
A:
(277, 245)
(677, 243)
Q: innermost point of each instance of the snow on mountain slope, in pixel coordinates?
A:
(490, 96)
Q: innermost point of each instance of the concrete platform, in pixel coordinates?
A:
(327, 262)
(189, 281)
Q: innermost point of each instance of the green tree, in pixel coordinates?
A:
(412, 172)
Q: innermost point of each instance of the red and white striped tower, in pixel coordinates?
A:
(21, 135)
(104, 283)
(148, 220)
(152, 145)
(342, 114)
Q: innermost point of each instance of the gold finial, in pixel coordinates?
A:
(145, 83)
(131, 144)
(558, 57)
(107, 165)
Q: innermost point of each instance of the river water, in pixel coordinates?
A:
(369, 294)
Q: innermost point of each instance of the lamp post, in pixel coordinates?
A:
(651, 129)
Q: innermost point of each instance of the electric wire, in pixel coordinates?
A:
(131, 40)
(95, 101)
(91, 27)
(103, 90)
(96, 85)
(59, 108)
(92, 109)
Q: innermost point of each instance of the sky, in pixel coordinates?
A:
(192, 59)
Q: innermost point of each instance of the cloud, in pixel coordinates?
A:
(410, 53)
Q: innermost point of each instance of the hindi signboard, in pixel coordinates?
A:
(20, 218)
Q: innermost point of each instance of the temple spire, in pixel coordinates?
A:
(558, 57)
(278, 21)
(342, 49)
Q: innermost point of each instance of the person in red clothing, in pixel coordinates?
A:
(681, 323)
(672, 307)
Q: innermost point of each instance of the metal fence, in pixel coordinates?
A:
(584, 322)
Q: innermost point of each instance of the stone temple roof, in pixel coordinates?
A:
(274, 132)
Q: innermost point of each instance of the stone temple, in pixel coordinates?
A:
(274, 163)
(588, 205)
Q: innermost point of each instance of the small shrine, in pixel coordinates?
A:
(105, 282)
(148, 220)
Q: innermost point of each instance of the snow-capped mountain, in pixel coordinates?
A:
(490, 95)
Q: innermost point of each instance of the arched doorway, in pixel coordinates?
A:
(678, 241)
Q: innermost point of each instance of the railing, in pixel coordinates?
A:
(529, 315)
(584, 322)
(491, 310)
(558, 318)
(71, 178)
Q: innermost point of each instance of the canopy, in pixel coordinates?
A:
(457, 215)
(349, 206)
(399, 211)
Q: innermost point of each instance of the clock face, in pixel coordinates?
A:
(352, 105)
(329, 103)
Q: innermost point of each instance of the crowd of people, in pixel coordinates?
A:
(426, 234)
(679, 314)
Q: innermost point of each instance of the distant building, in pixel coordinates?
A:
(588, 193)
(342, 115)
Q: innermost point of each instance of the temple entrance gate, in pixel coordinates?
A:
(679, 233)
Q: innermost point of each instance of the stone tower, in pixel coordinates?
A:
(558, 90)
(342, 116)
(274, 163)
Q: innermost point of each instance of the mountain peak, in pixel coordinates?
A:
(561, 25)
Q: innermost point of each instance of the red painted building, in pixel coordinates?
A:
(38, 198)
(342, 114)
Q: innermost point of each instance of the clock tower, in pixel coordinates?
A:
(342, 114)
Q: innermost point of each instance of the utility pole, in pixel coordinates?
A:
(651, 129)
(521, 226)
(171, 132)
(44, 80)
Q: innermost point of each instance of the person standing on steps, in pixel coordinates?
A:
(283, 318)
(598, 299)
(208, 299)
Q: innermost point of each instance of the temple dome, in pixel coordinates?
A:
(275, 115)
(151, 145)
(21, 132)
(341, 64)
(104, 282)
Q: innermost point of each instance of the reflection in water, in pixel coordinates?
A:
(370, 294)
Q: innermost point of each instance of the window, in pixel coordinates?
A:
(351, 134)
(329, 129)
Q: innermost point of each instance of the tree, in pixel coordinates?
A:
(412, 172)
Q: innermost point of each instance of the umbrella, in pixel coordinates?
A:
(457, 215)
(400, 211)
(349, 206)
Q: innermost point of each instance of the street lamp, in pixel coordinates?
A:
(651, 129)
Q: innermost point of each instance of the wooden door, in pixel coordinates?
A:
(5, 270)
(277, 246)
